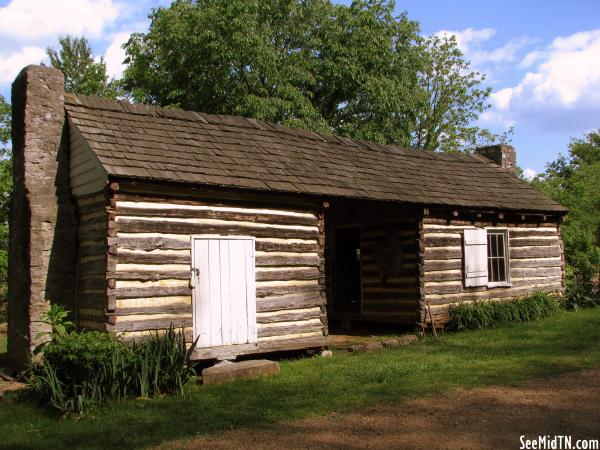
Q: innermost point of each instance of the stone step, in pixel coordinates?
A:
(225, 373)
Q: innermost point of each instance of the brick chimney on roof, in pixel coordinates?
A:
(503, 155)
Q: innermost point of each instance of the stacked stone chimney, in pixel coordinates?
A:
(43, 224)
(502, 154)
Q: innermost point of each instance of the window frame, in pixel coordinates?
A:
(506, 234)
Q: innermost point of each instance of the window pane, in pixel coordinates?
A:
(501, 269)
(500, 238)
(490, 276)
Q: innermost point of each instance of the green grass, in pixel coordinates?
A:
(565, 342)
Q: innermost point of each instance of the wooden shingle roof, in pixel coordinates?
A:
(147, 142)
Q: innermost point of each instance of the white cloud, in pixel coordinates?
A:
(11, 64)
(529, 174)
(471, 42)
(115, 55)
(32, 19)
(468, 37)
(561, 90)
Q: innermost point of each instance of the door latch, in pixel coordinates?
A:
(194, 274)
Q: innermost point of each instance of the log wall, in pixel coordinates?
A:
(149, 264)
(389, 259)
(92, 238)
(536, 263)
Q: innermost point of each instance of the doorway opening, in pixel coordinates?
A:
(347, 289)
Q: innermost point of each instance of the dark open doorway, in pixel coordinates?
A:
(346, 270)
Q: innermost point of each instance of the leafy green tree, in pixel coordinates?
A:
(358, 70)
(83, 75)
(5, 190)
(5, 119)
(574, 181)
(449, 101)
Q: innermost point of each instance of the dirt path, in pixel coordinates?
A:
(493, 417)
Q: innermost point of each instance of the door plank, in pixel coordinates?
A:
(226, 299)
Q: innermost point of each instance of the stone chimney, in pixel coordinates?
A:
(502, 154)
(43, 224)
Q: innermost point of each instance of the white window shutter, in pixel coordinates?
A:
(475, 252)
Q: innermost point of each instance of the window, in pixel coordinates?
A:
(497, 257)
(486, 258)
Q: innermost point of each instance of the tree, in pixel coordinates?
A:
(83, 75)
(5, 190)
(449, 100)
(356, 70)
(574, 181)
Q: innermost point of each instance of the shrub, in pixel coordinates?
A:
(490, 314)
(82, 369)
(580, 295)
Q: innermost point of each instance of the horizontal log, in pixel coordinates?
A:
(151, 275)
(374, 270)
(401, 317)
(85, 210)
(204, 196)
(398, 293)
(154, 258)
(493, 293)
(536, 272)
(93, 267)
(154, 291)
(433, 265)
(280, 275)
(97, 224)
(92, 247)
(536, 281)
(262, 246)
(454, 275)
(443, 253)
(404, 281)
(439, 241)
(530, 241)
(151, 324)
(443, 289)
(275, 345)
(283, 261)
(263, 217)
(289, 316)
(535, 262)
(174, 308)
(92, 299)
(408, 306)
(524, 232)
(155, 243)
(292, 301)
(152, 243)
(267, 291)
(407, 258)
(287, 329)
(149, 226)
(535, 252)
(483, 223)
(91, 283)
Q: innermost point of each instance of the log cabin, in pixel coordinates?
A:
(250, 235)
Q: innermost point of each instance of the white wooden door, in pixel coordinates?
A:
(224, 294)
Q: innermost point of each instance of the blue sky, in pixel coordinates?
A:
(541, 58)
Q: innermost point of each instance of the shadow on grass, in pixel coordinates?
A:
(510, 355)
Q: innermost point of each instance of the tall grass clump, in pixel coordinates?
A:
(491, 314)
(78, 370)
